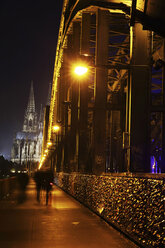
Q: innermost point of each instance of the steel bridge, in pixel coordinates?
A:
(112, 119)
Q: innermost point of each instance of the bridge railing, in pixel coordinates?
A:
(133, 203)
(7, 185)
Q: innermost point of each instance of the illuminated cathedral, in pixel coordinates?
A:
(27, 144)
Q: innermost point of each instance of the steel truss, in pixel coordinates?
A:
(85, 143)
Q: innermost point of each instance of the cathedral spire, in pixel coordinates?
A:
(30, 118)
(27, 145)
(31, 103)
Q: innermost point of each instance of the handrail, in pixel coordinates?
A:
(7, 185)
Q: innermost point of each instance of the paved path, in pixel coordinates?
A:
(64, 223)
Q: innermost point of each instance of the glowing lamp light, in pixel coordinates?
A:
(80, 70)
(49, 144)
(56, 128)
(12, 170)
(40, 165)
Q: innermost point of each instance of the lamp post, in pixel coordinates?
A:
(97, 152)
(56, 129)
(50, 149)
(81, 71)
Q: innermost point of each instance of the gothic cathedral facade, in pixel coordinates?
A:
(27, 144)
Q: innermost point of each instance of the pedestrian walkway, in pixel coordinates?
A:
(64, 223)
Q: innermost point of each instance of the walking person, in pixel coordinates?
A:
(48, 183)
(38, 180)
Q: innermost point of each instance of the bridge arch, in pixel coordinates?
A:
(128, 61)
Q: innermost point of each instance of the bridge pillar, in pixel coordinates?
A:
(101, 79)
(163, 122)
(139, 109)
(66, 139)
(83, 117)
(73, 151)
(61, 113)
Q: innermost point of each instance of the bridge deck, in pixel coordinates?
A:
(63, 223)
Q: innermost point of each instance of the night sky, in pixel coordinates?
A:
(29, 33)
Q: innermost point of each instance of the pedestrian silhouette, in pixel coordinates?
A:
(44, 180)
(48, 182)
(38, 180)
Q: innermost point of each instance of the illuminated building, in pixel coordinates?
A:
(27, 144)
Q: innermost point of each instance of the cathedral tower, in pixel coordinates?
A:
(27, 144)
(30, 117)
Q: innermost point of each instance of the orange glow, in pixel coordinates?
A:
(49, 144)
(80, 70)
(56, 128)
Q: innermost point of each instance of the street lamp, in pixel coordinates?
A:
(80, 70)
(56, 128)
(81, 64)
(49, 144)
